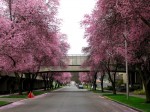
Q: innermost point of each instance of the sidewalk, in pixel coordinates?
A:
(131, 94)
(11, 100)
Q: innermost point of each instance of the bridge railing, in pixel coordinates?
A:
(76, 59)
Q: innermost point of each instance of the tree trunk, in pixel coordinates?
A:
(147, 91)
(112, 83)
(32, 79)
(48, 85)
(51, 84)
(94, 82)
(146, 81)
(55, 85)
(20, 86)
(114, 87)
(20, 81)
(58, 85)
(31, 85)
(44, 85)
(102, 88)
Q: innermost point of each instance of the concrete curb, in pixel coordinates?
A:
(123, 104)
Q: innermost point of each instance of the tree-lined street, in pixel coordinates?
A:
(34, 56)
(67, 99)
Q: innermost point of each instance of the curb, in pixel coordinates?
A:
(123, 104)
(5, 104)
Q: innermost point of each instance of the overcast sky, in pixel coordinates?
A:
(72, 12)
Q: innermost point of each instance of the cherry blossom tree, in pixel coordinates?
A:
(103, 31)
(137, 24)
(86, 78)
(107, 28)
(66, 77)
(32, 38)
(62, 77)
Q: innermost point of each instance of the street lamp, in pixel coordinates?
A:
(126, 60)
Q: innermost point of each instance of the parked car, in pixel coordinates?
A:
(80, 86)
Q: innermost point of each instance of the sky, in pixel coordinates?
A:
(72, 12)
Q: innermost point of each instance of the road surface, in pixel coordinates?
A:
(67, 99)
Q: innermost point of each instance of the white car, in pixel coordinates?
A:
(80, 86)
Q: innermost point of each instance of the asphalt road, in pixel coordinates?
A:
(68, 99)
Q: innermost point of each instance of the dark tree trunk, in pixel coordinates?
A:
(32, 79)
(147, 95)
(114, 88)
(94, 82)
(45, 85)
(31, 85)
(51, 83)
(146, 83)
(144, 74)
(112, 83)
(147, 88)
(112, 77)
(20, 86)
(102, 78)
(55, 85)
(20, 81)
(58, 85)
(147, 92)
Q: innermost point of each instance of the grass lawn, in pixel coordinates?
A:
(136, 102)
(2, 103)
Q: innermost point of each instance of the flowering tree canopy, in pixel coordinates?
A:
(110, 24)
(85, 77)
(30, 36)
(63, 78)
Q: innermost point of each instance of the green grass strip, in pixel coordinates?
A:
(136, 102)
(2, 103)
(133, 101)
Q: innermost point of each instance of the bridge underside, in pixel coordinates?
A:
(67, 69)
(74, 65)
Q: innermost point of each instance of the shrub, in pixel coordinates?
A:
(139, 92)
(109, 88)
(119, 82)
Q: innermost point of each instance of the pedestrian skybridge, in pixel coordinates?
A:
(74, 65)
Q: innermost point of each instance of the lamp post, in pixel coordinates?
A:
(126, 60)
